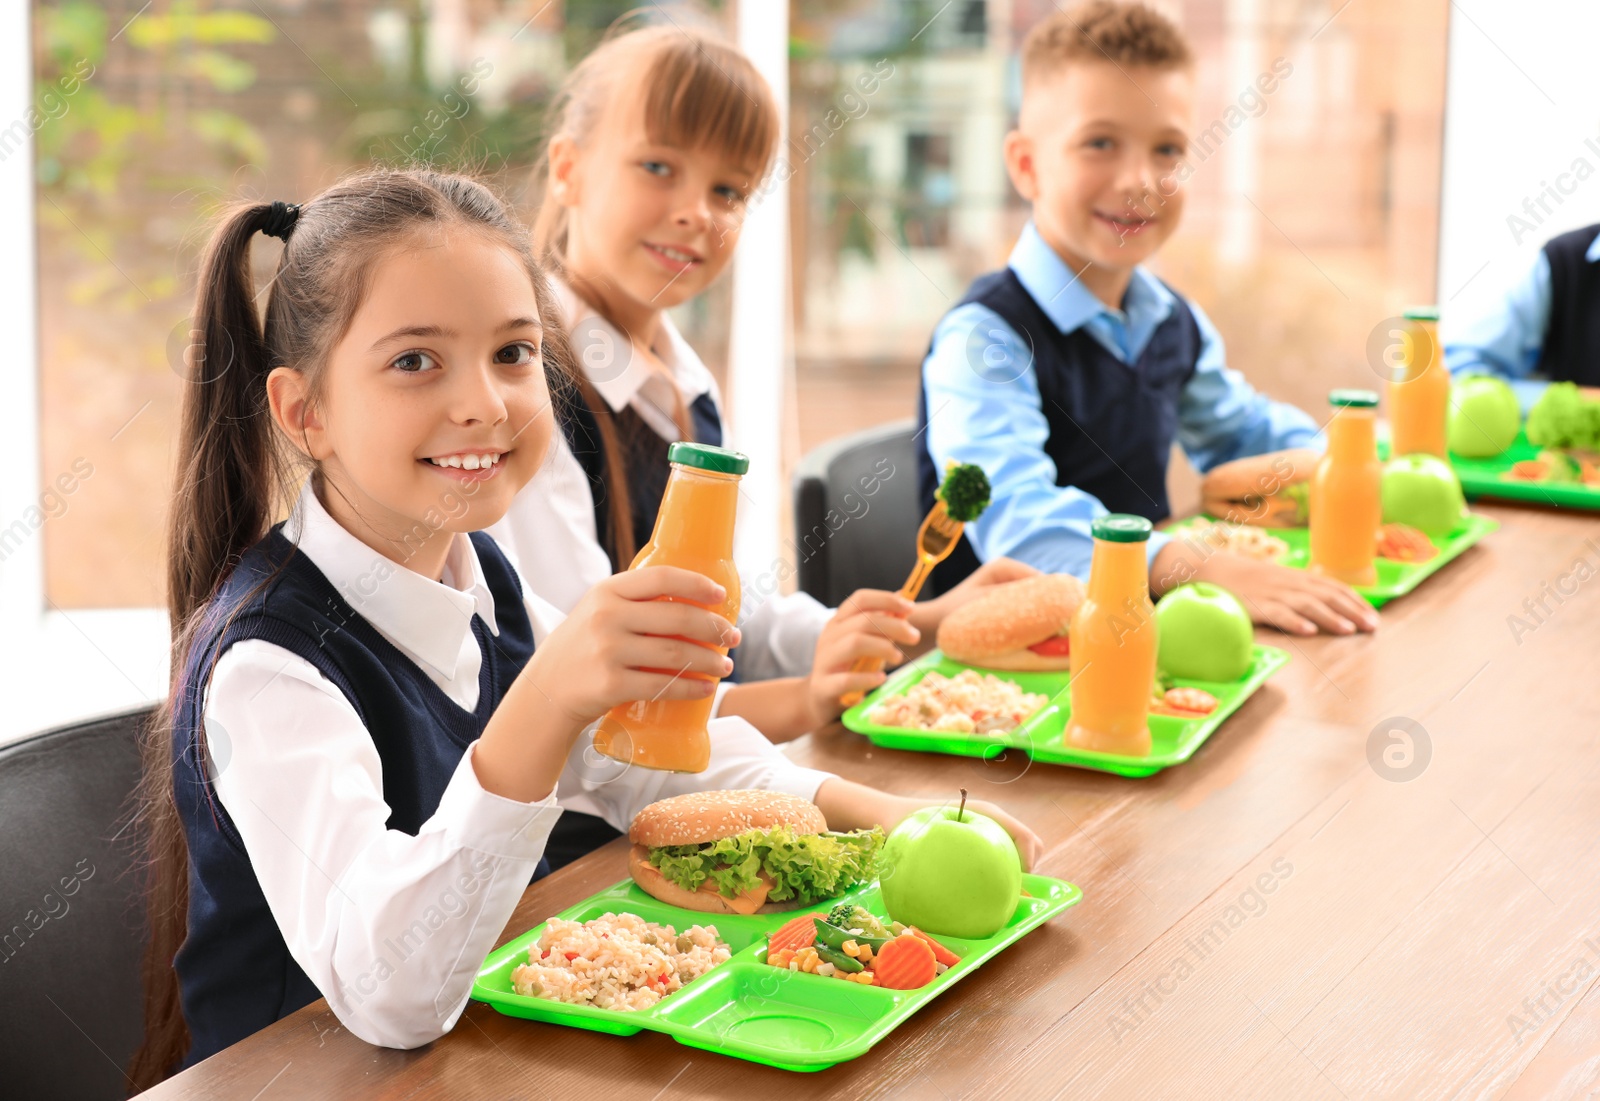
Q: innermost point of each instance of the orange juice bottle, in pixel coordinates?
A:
(694, 530)
(1419, 392)
(1114, 643)
(1346, 506)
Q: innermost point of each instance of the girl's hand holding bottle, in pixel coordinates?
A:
(638, 635)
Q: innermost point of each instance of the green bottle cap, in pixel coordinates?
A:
(1422, 313)
(1119, 527)
(1354, 399)
(703, 456)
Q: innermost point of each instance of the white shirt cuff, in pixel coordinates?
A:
(488, 823)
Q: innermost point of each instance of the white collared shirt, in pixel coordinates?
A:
(550, 531)
(302, 780)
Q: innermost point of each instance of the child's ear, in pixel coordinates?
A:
(1020, 166)
(289, 395)
(564, 175)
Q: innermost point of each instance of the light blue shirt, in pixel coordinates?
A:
(984, 407)
(1507, 340)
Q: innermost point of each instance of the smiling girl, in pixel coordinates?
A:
(371, 729)
(659, 140)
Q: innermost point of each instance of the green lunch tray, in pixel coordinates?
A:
(1394, 578)
(743, 1008)
(1487, 478)
(1042, 735)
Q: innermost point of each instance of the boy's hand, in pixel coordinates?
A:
(870, 623)
(928, 614)
(602, 654)
(1295, 601)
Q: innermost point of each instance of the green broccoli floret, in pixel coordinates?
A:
(841, 915)
(965, 491)
(1563, 417)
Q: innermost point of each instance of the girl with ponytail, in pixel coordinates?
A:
(659, 142)
(371, 729)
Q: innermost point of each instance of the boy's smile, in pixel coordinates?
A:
(1098, 151)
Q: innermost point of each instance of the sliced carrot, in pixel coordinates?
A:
(1529, 470)
(794, 934)
(1403, 543)
(905, 963)
(940, 952)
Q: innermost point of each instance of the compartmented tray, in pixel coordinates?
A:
(1394, 578)
(743, 1008)
(1043, 735)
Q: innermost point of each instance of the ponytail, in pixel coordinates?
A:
(230, 477)
(230, 473)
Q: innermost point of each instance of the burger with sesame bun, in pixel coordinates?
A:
(744, 852)
(1018, 626)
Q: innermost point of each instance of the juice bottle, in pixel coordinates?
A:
(1419, 392)
(694, 530)
(1114, 643)
(1346, 505)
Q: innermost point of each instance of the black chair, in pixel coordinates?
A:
(73, 926)
(856, 512)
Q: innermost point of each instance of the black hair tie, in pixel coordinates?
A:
(281, 220)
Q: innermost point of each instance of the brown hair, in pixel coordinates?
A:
(696, 91)
(1103, 30)
(235, 473)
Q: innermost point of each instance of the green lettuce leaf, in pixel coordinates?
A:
(808, 867)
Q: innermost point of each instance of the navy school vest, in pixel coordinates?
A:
(235, 973)
(1571, 348)
(1112, 425)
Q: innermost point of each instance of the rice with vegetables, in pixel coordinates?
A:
(616, 961)
(969, 702)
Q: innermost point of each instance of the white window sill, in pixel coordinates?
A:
(78, 664)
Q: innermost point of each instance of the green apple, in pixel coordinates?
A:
(1484, 417)
(1422, 490)
(1205, 633)
(950, 871)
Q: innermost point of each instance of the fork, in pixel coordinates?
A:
(936, 538)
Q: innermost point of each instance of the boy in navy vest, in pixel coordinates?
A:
(1548, 322)
(1069, 374)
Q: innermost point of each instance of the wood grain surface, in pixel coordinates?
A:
(1307, 909)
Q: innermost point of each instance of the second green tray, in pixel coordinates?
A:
(1042, 735)
(1394, 578)
(744, 1008)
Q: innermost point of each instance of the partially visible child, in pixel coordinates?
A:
(371, 730)
(658, 143)
(1069, 374)
(1547, 322)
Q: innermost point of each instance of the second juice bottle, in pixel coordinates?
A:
(1114, 643)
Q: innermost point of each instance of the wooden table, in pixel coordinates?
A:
(1289, 915)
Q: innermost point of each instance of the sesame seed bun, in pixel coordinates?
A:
(995, 630)
(704, 816)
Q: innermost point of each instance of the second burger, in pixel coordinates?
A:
(1020, 626)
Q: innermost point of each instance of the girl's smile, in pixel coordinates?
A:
(675, 259)
(468, 467)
